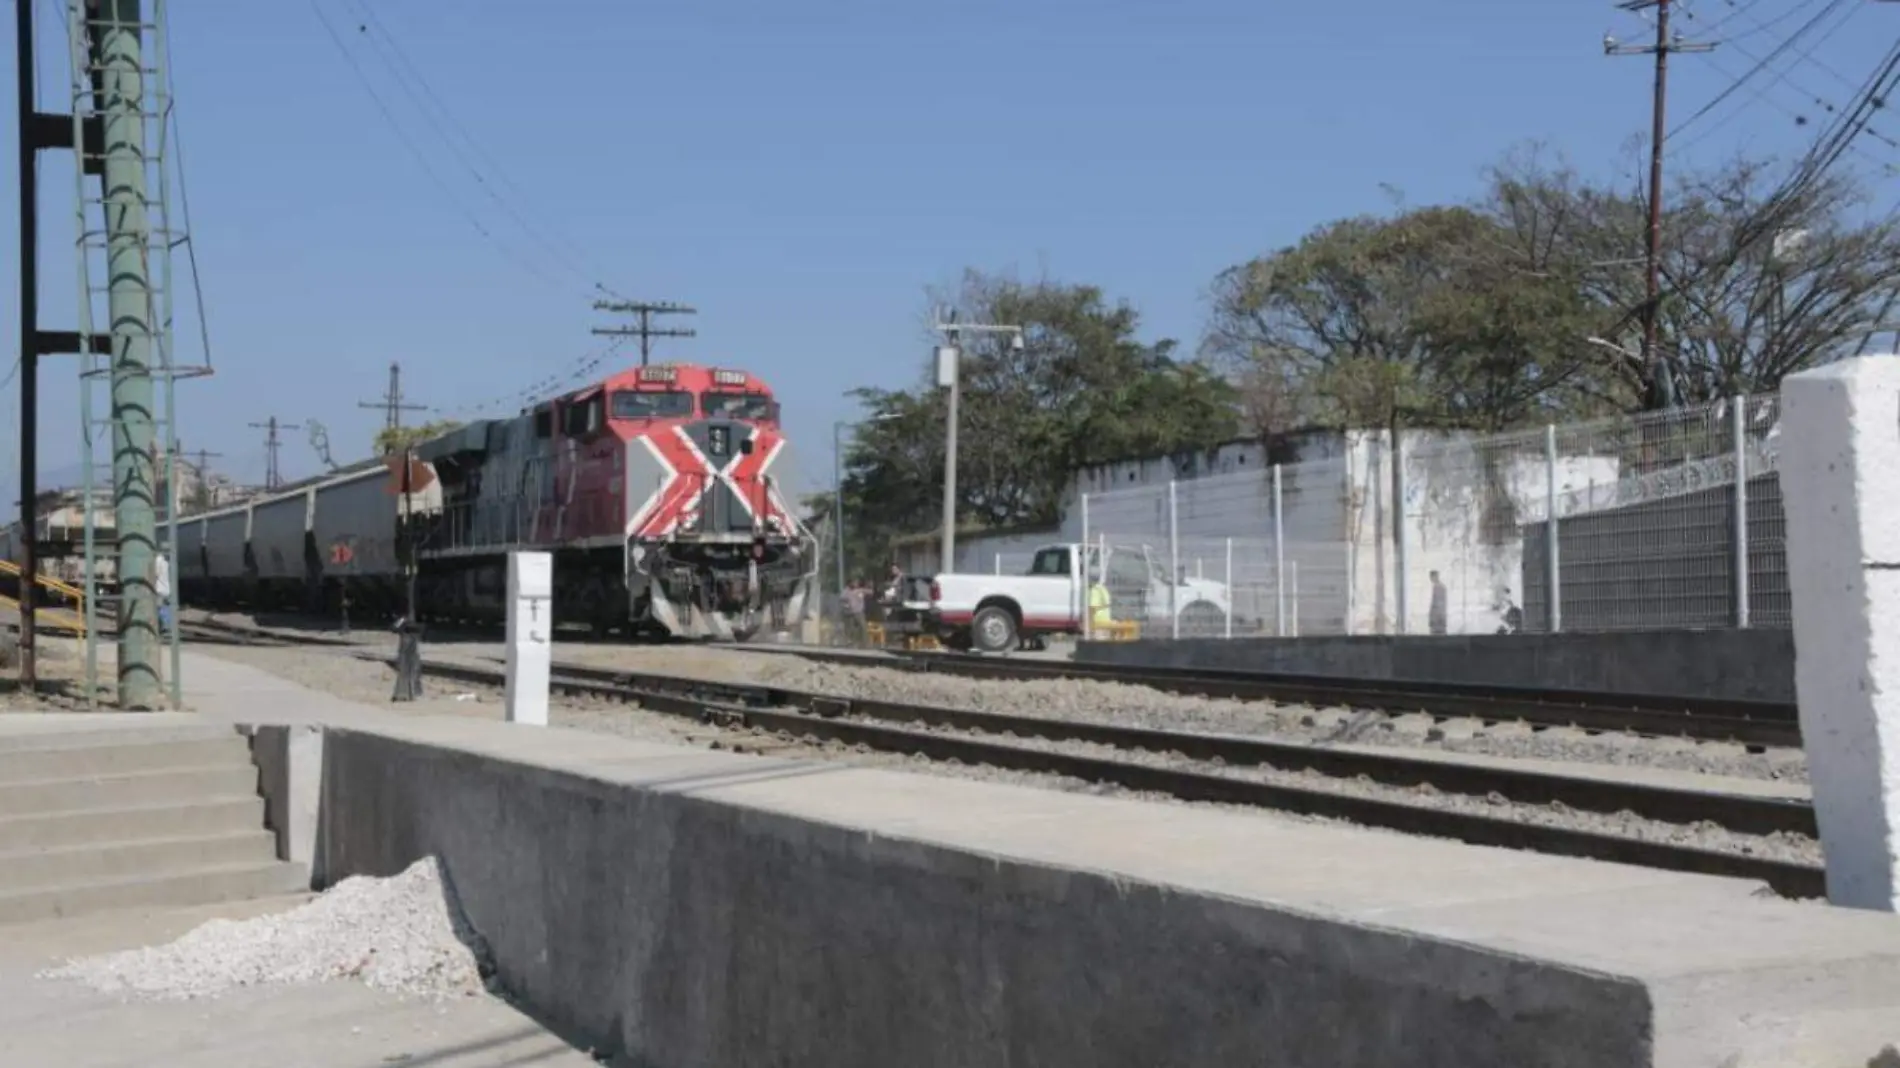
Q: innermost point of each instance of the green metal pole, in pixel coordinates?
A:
(130, 305)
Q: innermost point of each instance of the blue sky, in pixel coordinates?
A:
(802, 170)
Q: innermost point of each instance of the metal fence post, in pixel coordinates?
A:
(1279, 560)
(1555, 579)
(1296, 598)
(997, 563)
(1086, 588)
(1229, 580)
(1741, 510)
(1174, 563)
(1400, 603)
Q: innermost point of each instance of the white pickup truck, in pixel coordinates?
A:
(997, 613)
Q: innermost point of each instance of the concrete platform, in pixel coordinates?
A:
(332, 1025)
(678, 906)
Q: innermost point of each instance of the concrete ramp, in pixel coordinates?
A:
(684, 907)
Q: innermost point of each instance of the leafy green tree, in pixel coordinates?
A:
(395, 439)
(1084, 388)
(1481, 315)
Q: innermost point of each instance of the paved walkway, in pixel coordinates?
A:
(59, 1024)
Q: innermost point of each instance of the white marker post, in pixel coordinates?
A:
(530, 636)
(1840, 454)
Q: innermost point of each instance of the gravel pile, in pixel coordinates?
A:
(398, 934)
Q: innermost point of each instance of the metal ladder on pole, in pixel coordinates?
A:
(90, 22)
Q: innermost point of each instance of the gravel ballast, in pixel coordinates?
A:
(400, 935)
(1121, 704)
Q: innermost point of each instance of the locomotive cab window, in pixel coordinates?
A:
(639, 404)
(583, 419)
(752, 407)
(544, 423)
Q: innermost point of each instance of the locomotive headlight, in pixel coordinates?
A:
(721, 440)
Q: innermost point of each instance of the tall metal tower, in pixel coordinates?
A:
(391, 402)
(272, 445)
(645, 331)
(125, 239)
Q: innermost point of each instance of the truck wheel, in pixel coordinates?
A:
(993, 630)
(1202, 620)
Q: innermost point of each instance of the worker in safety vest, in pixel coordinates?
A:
(1098, 605)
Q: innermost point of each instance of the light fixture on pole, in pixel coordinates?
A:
(949, 367)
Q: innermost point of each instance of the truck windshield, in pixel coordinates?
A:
(749, 406)
(633, 404)
(1050, 562)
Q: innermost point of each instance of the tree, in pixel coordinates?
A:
(393, 439)
(1481, 315)
(1083, 389)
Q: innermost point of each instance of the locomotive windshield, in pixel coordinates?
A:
(749, 406)
(631, 404)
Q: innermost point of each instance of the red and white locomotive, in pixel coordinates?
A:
(654, 490)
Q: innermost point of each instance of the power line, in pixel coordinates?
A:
(402, 135)
(416, 85)
(271, 445)
(1760, 65)
(645, 330)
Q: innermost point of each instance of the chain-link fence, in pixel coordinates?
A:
(1630, 523)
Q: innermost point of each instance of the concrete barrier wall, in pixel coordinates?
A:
(678, 907)
(1754, 664)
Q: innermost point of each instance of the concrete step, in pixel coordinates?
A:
(203, 886)
(121, 757)
(170, 786)
(100, 826)
(83, 730)
(36, 869)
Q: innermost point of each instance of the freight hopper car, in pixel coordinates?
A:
(304, 547)
(655, 491)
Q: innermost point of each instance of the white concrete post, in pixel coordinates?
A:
(530, 636)
(1840, 431)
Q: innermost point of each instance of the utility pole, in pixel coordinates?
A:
(1664, 45)
(270, 427)
(645, 331)
(119, 55)
(40, 131)
(392, 404)
(950, 374)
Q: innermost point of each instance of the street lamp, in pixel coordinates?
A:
(837, 480)
(949, 361)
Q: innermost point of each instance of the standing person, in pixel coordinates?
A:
(162, 586)
(1437, 617)
(854, 612)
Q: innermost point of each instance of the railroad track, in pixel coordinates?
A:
(1759, 724)
(994, 739)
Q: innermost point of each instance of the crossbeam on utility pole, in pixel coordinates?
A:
(644, 311)
(1664, 44)
(271, 446)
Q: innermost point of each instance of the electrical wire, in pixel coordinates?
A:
(402, 135)
(559, 245)
(1833, 7)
